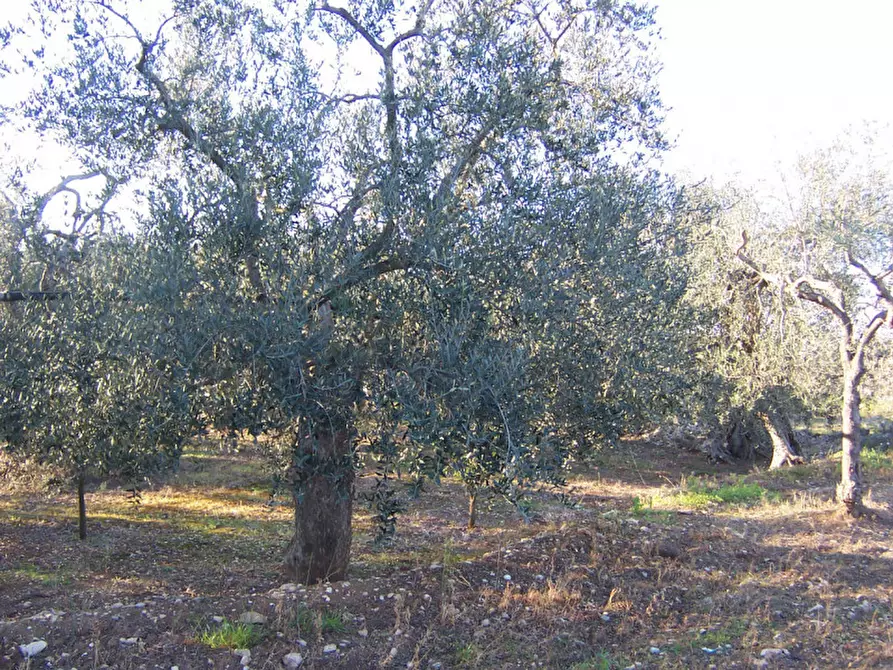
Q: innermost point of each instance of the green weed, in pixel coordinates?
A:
(331, 622)
(309, 622)
(468, 654)
(741, 493)
(730, 633)
(230, 635)
(875, 460)
(646, 511)
(34, 574)
(601, 661)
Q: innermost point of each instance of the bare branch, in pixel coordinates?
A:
(876, 280)
(416, 30)
(352, 21)
(822, 293)
(65, 186)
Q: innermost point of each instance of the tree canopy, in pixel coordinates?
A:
(461, 253)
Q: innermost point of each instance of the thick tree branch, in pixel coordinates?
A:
(37, 296)
(804, 288)
(464, 161)
(358, 276)
(868, 334)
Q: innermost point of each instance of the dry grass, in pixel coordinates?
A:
(766, 561)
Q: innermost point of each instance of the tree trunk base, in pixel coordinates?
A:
(320, 548)
(851, 501)
(785, 450)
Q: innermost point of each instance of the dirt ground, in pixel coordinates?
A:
(663, 561)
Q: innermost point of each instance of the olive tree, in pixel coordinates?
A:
(763, 360)
(314, 209)
(92, 379)
(833, 250)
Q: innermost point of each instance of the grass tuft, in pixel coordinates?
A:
(230, 635)
(700, 496)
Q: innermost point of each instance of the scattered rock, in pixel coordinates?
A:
(668, 550)
(773, 654)
(32, 648)
(252, 618)
(292, 660)
(485, 623)
(128, 641)
(816, 609)
(244, 655)
(654, 650)
(330, 649)
(363, 632)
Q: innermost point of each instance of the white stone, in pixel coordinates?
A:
(292, 660)
(32, 648)
(128, 640)
(654, 650)
(330, 649)
(771, 654)
(363, 632)
(244, 655)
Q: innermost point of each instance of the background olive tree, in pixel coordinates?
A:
(764, 361)
(93, 377)
(832, 249)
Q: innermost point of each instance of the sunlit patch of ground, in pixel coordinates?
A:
(655, 557)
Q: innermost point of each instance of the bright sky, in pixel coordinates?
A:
(754, 83)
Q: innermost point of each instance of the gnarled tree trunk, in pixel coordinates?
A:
(850, 489)
(323, 495)
(785, 450)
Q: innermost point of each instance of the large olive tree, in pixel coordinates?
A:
(494, 146)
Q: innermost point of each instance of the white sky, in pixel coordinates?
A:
(754, 83)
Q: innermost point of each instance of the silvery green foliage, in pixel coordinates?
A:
(462, 254)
